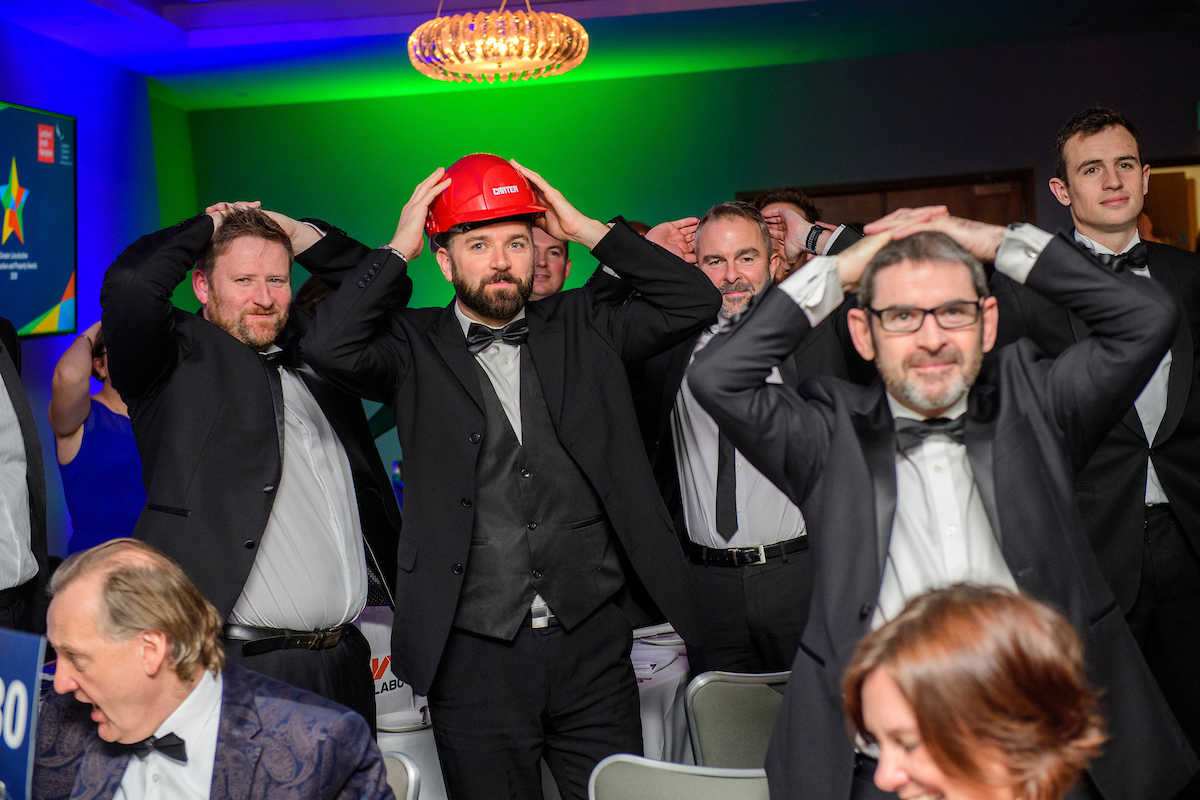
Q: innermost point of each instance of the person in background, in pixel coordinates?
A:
(551, 264)
(22, 497)
(158, 713)
(770, 203)
(1140, 491)
(97, 455)
(974, 693)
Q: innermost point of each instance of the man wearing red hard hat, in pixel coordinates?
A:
(527, 489)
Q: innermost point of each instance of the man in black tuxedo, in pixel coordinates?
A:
(1140, 490)
(525, 480)
(946, 469)
(262, 479)
(22, 497)
(746, 542)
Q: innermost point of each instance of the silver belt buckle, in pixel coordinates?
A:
(762, 556)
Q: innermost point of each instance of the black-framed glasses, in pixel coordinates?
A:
(949, 316)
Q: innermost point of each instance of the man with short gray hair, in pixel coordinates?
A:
(946, 469)
(157, 712)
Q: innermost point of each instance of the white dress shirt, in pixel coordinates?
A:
(940, 532)
(1151, 404)
(17, 564)
(310, 572)
(764, 514)
(197, 723)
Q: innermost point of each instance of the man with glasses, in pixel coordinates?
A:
(947, 469)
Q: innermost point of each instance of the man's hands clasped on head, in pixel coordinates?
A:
(562, 220)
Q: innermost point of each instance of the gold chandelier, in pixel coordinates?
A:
(516, 45)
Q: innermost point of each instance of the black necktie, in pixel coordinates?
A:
(1134, 258)
(272, 361)
(170, 746)
(480, 337)
(911, 432)
(727, 523)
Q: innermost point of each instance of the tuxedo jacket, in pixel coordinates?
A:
(206, 425)
(1031, 424)
(274, 742)
(1112, 487)
(825, 350)
(35, 475)
(417, 361)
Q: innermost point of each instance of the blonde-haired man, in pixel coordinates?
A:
(156, 711)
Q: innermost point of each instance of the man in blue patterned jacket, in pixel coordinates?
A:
(157, 713)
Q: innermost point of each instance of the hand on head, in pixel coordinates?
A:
(790, 230)
(410, 230)
(896, 225)
(562, 220)
(980, 239)
(677, 237)
(218, 210)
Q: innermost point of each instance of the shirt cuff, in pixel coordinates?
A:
(815, 288)
(836, 233)
(315, 228)
(1019, 250)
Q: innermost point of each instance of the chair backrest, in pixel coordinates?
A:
(731, 716)
(402, 775)
(626, 777)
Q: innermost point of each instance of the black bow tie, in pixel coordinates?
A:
(911, 432)
(1134, 258)
(170, 746)
(480, 337)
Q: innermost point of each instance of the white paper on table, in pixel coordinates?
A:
(649, 659)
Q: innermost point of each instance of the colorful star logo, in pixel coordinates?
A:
(13, 195)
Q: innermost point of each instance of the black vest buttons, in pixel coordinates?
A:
(362, 284)
(268, 489)
(526, 473)
(865, 611)
(532, 526)
(249, 544)
(537, 573)
(474, 438)
(465, 503)
(456, 569)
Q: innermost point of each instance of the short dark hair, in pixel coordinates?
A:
(235, 225)
(790, 196)
(739, 209)
(921, 246)
(1089, 122)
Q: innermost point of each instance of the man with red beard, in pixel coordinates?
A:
(527, 492)
(262, 479)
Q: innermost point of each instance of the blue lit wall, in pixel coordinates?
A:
(117, 194)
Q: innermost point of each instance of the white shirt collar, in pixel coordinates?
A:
(466, 322)
(1096, 247)
(189, 718)
(900, 410)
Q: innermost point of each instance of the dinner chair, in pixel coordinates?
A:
(402, 775)
(731, 715)
(626, 777)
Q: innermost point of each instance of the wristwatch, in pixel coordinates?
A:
(814, 233)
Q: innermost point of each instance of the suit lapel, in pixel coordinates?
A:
(979, 433)
(545, 345)
(1179, 382)
(101, 770)
(876, 432)
(450, 343)
(35, 475)
(237, 751)
(681, 356)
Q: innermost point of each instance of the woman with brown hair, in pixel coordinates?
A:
(974, 693)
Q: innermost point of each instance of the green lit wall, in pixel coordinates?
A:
(666, 146)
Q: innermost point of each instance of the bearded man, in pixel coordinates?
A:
(262, 479)
(527, 491)
(946, 469)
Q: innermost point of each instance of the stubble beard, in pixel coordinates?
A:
(913, 394)
(500, 305)
(235, 324)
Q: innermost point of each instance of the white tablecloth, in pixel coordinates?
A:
(664, 723)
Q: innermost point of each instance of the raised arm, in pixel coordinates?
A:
(138, 316)
(351, 340)
(70, 402)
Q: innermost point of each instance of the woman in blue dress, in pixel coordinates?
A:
(97, 457)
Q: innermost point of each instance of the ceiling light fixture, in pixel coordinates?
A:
(509, 45)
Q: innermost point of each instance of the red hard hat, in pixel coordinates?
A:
(484, 188)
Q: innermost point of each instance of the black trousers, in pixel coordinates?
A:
(1165, 620)
(754, 615)
(17, 608)
(341, 673)
(568, 696)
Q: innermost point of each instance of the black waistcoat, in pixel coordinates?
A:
(539, 526)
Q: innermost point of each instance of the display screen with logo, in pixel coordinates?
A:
(21, 656)
(37, 230)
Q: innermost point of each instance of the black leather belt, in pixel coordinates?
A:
(256, 641)
(743, 556)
